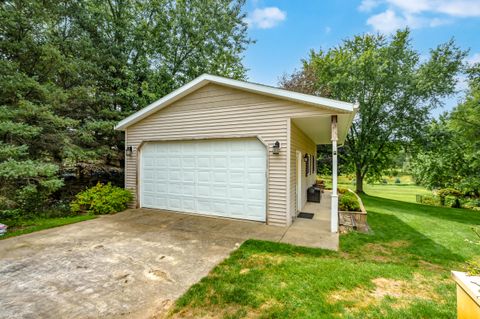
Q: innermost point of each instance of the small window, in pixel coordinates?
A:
(307, 164)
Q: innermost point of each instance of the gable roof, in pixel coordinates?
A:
(334, 105)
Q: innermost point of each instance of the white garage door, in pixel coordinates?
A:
(224, 177)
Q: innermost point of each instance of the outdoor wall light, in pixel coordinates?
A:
(276, 148)
(305, 158)
(129, 151)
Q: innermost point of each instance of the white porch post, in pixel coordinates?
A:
(334, 206)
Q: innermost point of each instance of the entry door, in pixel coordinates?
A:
(222, 177)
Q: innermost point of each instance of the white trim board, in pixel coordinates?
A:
(337, 106)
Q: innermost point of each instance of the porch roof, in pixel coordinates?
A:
(318, 128)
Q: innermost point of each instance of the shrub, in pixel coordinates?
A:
(101, 199)
(397, 180)
(384, 181)
(449, 192)
(348, 202)
(428, 200)
(472, 204)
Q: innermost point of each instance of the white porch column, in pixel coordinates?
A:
(334, 205)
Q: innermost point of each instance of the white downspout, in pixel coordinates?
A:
(334, 205)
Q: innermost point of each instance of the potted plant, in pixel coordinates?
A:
(468, 288)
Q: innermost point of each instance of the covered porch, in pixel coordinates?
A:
(317, 130)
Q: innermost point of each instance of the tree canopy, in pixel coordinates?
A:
(69, 70)
(450, 157)
(395, 87)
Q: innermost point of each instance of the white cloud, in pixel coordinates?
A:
(328, 30)
(368, 5)
(266, 18)
(474, 59)
(388, 21)
(460, 8)
(417, 13)
(412, 6)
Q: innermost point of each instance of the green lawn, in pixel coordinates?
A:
(406, 191)
(402, 270)
(32, 225)
(402, 192)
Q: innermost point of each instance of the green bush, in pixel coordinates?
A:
(397, 180)
(473, 203)
(429, 200)
(348, 202)
(101, 199)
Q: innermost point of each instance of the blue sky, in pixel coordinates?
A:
(286, 31)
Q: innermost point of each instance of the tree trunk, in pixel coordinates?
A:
(359, 182)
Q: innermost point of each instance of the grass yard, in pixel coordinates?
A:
(406, 191)
(402, 270)
(32, 225)
(402, 192)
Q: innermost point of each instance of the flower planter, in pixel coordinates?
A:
(354, 220)
(468, 295)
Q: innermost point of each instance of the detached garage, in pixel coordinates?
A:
(233, 149)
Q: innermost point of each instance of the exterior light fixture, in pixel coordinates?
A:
(129, 151)
(305, 158)
(276, 148)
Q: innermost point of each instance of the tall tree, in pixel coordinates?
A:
(395, 88)
(70, 70)
(451, 155)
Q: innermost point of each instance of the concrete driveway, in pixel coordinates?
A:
(133, 264)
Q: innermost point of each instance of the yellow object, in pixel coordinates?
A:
(468, 296)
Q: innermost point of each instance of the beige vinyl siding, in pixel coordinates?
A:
(215, 111)
(300, 142)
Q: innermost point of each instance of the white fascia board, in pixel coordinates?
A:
(356, 108)
(339, 106)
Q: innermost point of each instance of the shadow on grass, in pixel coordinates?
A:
(399, 240)
(459, 215)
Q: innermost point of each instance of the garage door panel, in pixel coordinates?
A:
(219, 191)
(160, 175)
(215, 177)
(254, 209)
(203, 205)
(175, 188)
(161, 188)
(220, 177)
(188, 176)
(236, 177)
(203, 162)
(203, 190)
(175, 175)
(188, 162)
(219, 207)
(220, 162)
(237, 162)
(256, 178)
(255, 194)
(189, 190)
(203, 177)
(174, 203)
(161, 162)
